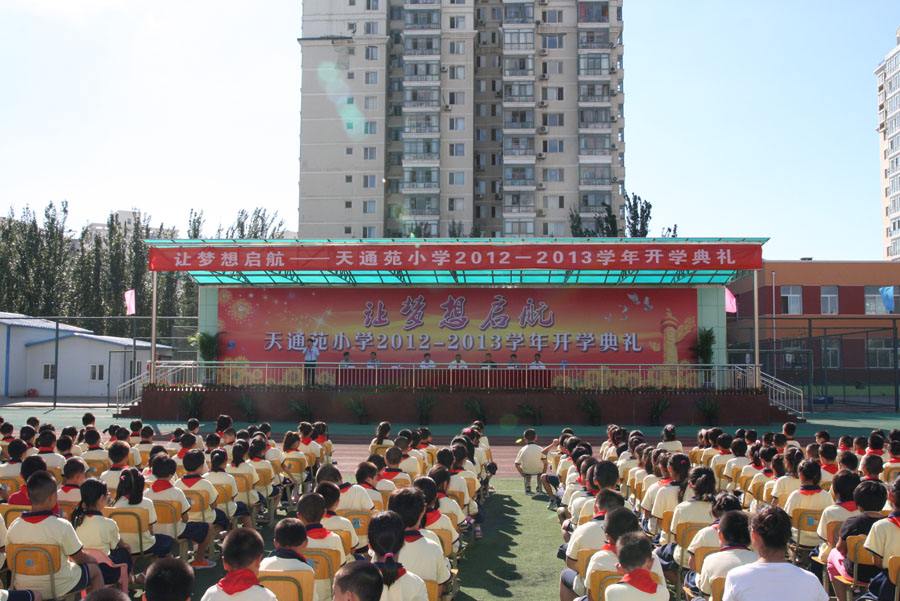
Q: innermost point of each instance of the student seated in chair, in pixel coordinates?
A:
(290, 541)
(169, 579)
(638, 583)
(358, 581)
(242, 553)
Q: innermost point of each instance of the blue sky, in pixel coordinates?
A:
(742, 118)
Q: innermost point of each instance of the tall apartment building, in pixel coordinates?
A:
(887, 76)
(459, 117)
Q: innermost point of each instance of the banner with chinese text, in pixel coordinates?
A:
(572, 325)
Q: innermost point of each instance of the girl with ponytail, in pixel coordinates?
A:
(100, 535)
(386, 540)
(693, 508)
(130, 495)
(381, 437)
(671, 491)
(790, 481)
(217, 476)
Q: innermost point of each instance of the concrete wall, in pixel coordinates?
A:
(208, 309)
(711, 314)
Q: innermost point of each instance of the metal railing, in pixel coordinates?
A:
(784, 395)
(518, 125)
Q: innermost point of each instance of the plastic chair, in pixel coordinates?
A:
(246, 494)
(200, 501)
(890, 473)
(265, 480)
(721, 478)
(66, 508)
(97, 466)
(684, 534)
(894, 575)
(56, 472)
(458, 496)
(289, 585)
(38, 560)
(168, 514)
(665, 524)
(472, 485)
(598, 582)
(346, 540)
(11, 512)
(433, 589)
(582, 560)
(831, 534)
(700, 555)
(13, 484)
(718, 589)
(446, 538)
(803, 520)
(325, 562)
(859, 555)
(131, 520)
(359, 519)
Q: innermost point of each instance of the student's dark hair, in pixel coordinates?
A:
(751, 436)
(669, 433)
(212, 440)
(703, 481)
(789, 428)
(810, 470)
(382, 431)
(32, 465)
(606, 474)
(870, 495)
(91, 492)
(147, 432)
(163, 466)
(118, 451)
(131, 486)
(328, 473)
(258, 448)
(223, 422)
(88, 419)
(169, 579)
(291, 439)
(735, 528)
(408, 503)
(773, 525)
(27, 432)
(330, 493)
(739, 447)
(365, 471)
(860, 442)
(778, 465)
(607, 500)
(6, 428)
(193, 423)
(895, 493)
(187, 440)
(311, 507)
(633, 549)
(136, 425)
(72, 467)
(217, 460)
(428, 488)
(64, 444)
(779, 439)
(444, 457)
(895, 448)
(41, 486)
(849, 460)
(828, 450)
(92, 437)
(305, 428)
(290, 532)
(529, 434)
(16, 449)
(843, 484)
(47, 438)
(241, 547)
(723, 503)
(872, 465)
(393, 456)
(193, 460)
(238, 453)
(876, 441)
(620, 521)
(360, 578)
(723, 441)
(792, 459)
(823, 435)
(440, 475)
(386, 539)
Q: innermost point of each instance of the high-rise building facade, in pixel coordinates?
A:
(459, 117)
(887, 76)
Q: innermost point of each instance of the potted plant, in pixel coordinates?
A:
(207, 346)
(703, 352)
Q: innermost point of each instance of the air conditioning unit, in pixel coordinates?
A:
(446, 107)
(612, 146)
(542, 51)
(538, 22)
(542, 104)
(542, 129)
(612, 69)
(540, 186)
(498, 94)
(479, 23)
(541, 156)
(614, 180)
(614, 92)
(444, 68)
(479, 196)
(613, 118)
(545, 76)
(498, 196)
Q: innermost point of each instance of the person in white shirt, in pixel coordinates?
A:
(290, 541)
(358, 580)
(242, 554)
(457, 363)
(537, 363)
(530, 460)
(427, 362)
(13, 467)
(100, 534)
(422, 553)
(310, 356)
(310, 511)
(513, 362)
(373, 362)
(670, 440)
(346, 362)
(635, 553)
(386, 539)
(74, 474)
(734, 551)
(772, 576)
(46, 445)
(331, 520)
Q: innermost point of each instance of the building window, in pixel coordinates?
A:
(348, 204)
(553, 119)
(554, 175)
(829, 300)
(369, 153)
(553, 16)
(348, 150)
(457, 124)
(454, 204)
(371, 4)
(457, 150)
(97, 372)
(348, 230)
(371, 28)
(348, 125)
(370, 127)
(369, 207)
(456, 97)
(878, 352)
(368, 181)
(457, 47)
(554, 145)
(554, 93)
(552, 41)
(791, 300)
(370, 102)
(456, 178)
(457, 22)
(348, 179)
(49, 371)
(371, 77)
(875, 297)
(368, 231)
(831, 353)
(351, 75)
(457, 72)
(371, 53)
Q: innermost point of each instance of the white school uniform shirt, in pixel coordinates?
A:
(374, 494)
(50, 530)
(355, 498)
(284, 564)
(783, 488)
(884, 540)
(832, 513)
(336, 523)
(698, 512)
(98, 532)
(442, 523)
(531, 459)
(200, 484)
(606, 561)
(243, 468)
(735, 463)
(33, 451)
(68, 494)
(717, 460)
(650, 492)
(133, 540)
(705, 537)
(226, 505)
(666, 499)
(757, 580)
(590, 535)
(254, 593)
(410, 465)
(11, 470)
(820, 500)
(408, 587)
(169, 494)
(673, 446)
(274, 454)
(332, 541)
(95, 454)
(53, 460)
(626, 592)
(718, 564)
(111, 477)
(580, 504)
(451, 508)
(425, 559)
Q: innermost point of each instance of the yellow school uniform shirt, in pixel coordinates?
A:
(51, 530)
(815, 500)
(689, 512)
(666, 499)
(718, 564)
(883, 538)
(673, 446)
(355, 498)
(99, 533)
(408, 587)
(425, 558)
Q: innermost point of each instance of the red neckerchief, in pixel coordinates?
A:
(768, 472)
(317, 531)
(878, 452)
(441, 495)
(894, 518)
(848, 505)
(665, 481)
(389, 473)
(160, 485)
(8, 439)
(871, 479)
(367, 486)
(43, 450)
(330, 514)
(894, 459)
(220, 434)
(432, 516)
(182, 452)
(608, 547)
(321, 439)
(809, 490)
(411, 536)
(118, 467)
(256, 459)
(843, 447)
(831, 468)
(422, 446)
(70, 487)
(190, 480)
(36, 517)
(345, 487)
(306, 441)
(94, 447)
(579, 480)
(455, 471)
(135, 435)
(641, 579)
(237, 581)
(599, 515)
(723, 452)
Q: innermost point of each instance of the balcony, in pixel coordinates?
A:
(421, 51)
(413, 187)
(415, 3)
(422, 129)
(594, 98)
(591, 209)
(421, 78)
(518, 152)
(595, 125)
(519, 183)
(518, 209)
(594, 44)
(518, 124)
(421, 158)
(511, 98)
(420, 211)
(518, 47)
(595, 181)
(597, 72)
(518, 19)
(420, 26)
(421, 104)
(594, 152)
(518, 72)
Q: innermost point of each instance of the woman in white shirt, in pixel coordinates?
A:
(386, 539)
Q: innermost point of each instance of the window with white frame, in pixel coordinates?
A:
(456, 178)
(368, 181)
(369, 153)
(831, 353)
(49, 371)
(368, 207)
(829, 300)
(875, 299)
(371, 77)
(458, 72)
(371, 53)
(370, 102)
(878, 352)
(457, 22)
(791, 300)
(96, 372)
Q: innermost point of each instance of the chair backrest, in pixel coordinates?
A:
(472, 486)
(98, 466)
(325, 562)
(894, 570)
(806, 520)
(718, 588)
(244, 487)
(199, 500)
(857, 552)
(583, 518)
(33, 559)
(13, 484)
(346, 540)
(766, 493)
(433, 589)
(446, 537)
(57, 473)
(665, 524)
(385, 497)
(825, 485)
(265, 477)
(294, 466)
(459, 497)
(11, 512)
(582, 560)
(599, 582)
(224, 493)
(66, 508)
(831, 531)
(684, 534)
(890, 473)
(700, 555)
(380, 449)
(130, 520)
(145, 457)
(639, 490)
(359, 519)
(719, 471)
(289, 585)
(168, 513)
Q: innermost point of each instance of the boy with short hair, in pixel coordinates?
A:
(367, 477)
(635, 553)
(78, 571)
(353, 496)
(332, 521)
(194, 463)
(13, 467)
(145, 442)
(734, 540)
(446, 505)
(242, 553)
(408, 464)
(169, 579)
(392, 476)
(530, 460)
(46, 444)
(590, 535)
(118, 453)
(92, 448)
(310, 511)
(421, 553)
(290, 541)
(789, 429)
(30, 465)
(74, 474)
(134, 436)
(358, 581)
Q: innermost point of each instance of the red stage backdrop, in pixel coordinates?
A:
(586, 325)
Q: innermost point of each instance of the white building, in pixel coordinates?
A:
(887, 76)
(89, 365)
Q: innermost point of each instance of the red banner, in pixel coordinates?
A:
(572, 325)
(430, 257)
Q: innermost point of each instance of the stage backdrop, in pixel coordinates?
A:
(584, 325)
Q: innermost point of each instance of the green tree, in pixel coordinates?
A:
(637, 216)
(28, 269)
(9, 252)
(169, 299)
(115, 277)
(137, 273)
(188, 305)
(54, 267)
(258, 225)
